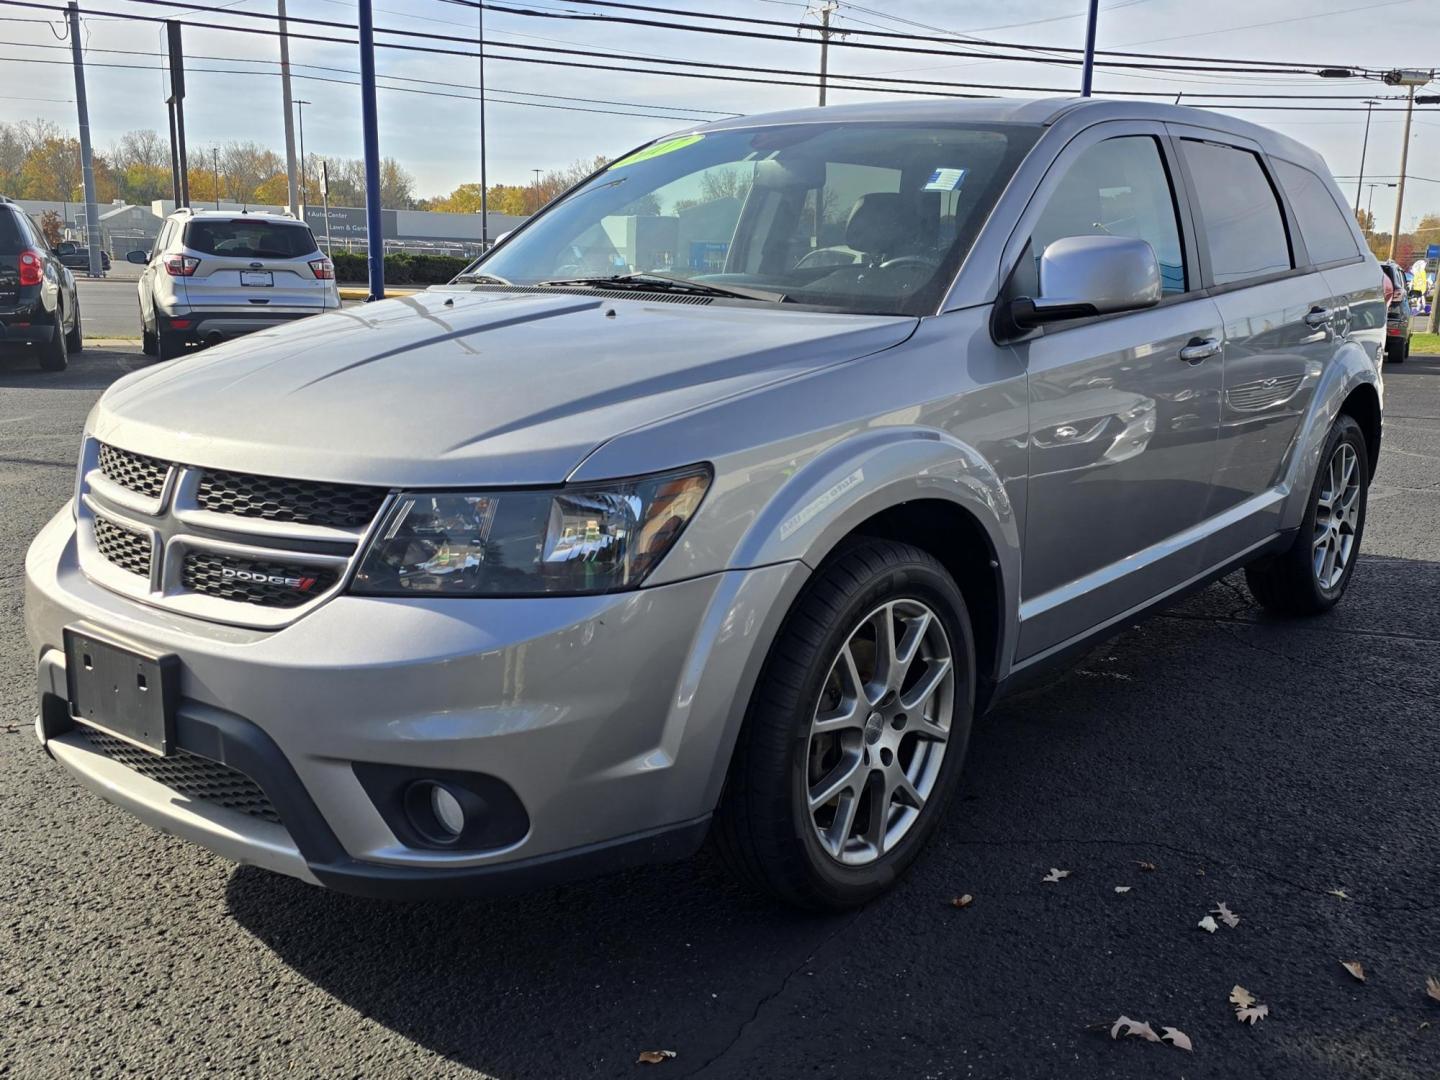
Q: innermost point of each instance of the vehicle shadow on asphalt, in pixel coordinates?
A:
(1245, 758)
(92, 369)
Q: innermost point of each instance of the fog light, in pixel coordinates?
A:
(447, 810)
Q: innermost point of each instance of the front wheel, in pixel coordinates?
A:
(856, 733)
(1312, 575)
(75, 340)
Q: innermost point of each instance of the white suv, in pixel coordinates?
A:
(217, 274)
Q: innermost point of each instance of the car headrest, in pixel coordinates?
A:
(880, 223)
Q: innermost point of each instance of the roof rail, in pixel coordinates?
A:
(5, 198)
(184, 210)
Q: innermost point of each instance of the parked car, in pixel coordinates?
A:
(538, 575)
(215, 275)
(77, 256)
(1398, 313)
(39, 306)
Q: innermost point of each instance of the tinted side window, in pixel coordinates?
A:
(1118, 187)
(12, 236)
(1322, 223)
(1243, 223)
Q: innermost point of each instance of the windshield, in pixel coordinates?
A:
(250, 238)
(858, 217)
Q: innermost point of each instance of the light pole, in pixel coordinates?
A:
(1408, 78)
(484, 181)
(301, 105)
(215, 160)
(537, 190)
(1087, 72)
(1370, 204)
(1369, 106)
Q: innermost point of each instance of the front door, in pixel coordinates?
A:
(1124, 410)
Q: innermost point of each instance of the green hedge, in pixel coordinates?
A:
(400, 268)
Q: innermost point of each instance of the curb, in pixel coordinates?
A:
(360, 292)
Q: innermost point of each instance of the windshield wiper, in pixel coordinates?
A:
(672, 283)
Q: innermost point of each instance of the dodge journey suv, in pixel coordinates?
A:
(217, 274)
(716, 501)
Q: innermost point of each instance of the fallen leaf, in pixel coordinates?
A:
(1133, 1027)
(1355, 968)
(654, 1057)
(1208, 924)
(1199, 873)
(1228, 917)
(963, 901)
(1177, 1038)
(1146, 865)
(1424, 1024)
(1252, 1013)
(1432, 987)
(1240, 997)
(1339, 893)
(1055, 875)
(1122, 888)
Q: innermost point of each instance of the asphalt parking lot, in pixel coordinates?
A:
(1287, 769)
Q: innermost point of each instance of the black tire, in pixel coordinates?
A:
(763, 829)
(54, 356)
(1287, 584)
(75, 340)
(169, 346)
(149, 344)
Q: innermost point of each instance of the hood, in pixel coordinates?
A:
(466, 388)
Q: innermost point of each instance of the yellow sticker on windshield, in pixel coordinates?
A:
(665, 147)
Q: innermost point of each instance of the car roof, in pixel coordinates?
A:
(231, 215)
(1015, 110)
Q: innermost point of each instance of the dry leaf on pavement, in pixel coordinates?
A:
(1146, 865)
(654, 1057)
(1177, 1038)
(1228, 917)
(963, 901)
(1208, 924)
(1432, 987)
(1338, 894)
(1126, 1026)
(1122, 888)
(1252, 1013)
(1355, 968)
(1055, 875)
(1240, 997)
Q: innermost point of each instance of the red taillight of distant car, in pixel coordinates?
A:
(324, 269)
(181, 265)
(32, 268)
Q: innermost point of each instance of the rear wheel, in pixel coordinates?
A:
(54, 355)
(148, 343)
(169, 346)
(856, 734)
(1313, 574)
(75, 340)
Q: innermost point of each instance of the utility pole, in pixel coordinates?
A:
(370, 123)
(824, 11)
(215, 159)
(537, 190)
(87, 161)
(179, 162)
(303, 193)
(484, 183)
(1087, 72)
(289, 110)
(1369, 107)
(325, 195)
(1411, 79)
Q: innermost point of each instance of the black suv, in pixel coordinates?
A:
(39, 306)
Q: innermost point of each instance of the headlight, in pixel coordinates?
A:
(584, 539)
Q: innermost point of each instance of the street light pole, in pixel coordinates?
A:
(215, 161)
(300, 105)
(287, 101)
(1410, 78)
(1087, 72)
(1369, 106)
(484, 182)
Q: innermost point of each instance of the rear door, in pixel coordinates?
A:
(1122, 425)
(1281, 323)
(249, 262)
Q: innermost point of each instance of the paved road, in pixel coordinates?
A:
(1256, 762)
(110, 308)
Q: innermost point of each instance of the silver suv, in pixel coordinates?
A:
(217, 274)
(718, 500)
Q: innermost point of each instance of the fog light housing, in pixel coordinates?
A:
(444, 809)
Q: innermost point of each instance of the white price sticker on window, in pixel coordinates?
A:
(946, 180)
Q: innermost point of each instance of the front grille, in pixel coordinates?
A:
(303, 501)
(1264, 394)
(126, 549)
(270, 584)
(190, 775)
(138, 473)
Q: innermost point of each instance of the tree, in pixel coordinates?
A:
(1365, 219)
(51, 227)
(397, 187)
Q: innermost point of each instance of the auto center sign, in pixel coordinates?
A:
(348, 222)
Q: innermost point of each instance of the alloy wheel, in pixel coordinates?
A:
(880, 731)
(1337, 516)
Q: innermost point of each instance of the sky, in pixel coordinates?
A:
(534, 112)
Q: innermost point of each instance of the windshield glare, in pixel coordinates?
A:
(858, 217)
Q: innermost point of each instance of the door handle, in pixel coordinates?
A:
(1200, 349)
(1319, 316)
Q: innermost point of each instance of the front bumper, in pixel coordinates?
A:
(610, 717)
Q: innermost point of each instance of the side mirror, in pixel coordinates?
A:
(140, 258)
(1091, 275)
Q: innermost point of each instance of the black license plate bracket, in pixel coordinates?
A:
(122, 689)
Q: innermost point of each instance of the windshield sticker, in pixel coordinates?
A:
(946, 180)
(656, 150)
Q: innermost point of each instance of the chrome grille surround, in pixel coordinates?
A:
(190, 775)
(178, 527)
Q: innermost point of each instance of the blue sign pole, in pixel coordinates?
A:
(369, 118)
(1087, 70)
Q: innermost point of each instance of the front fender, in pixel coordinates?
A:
(1350, 369)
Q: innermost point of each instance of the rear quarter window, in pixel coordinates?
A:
(250, 239)
(12, 237)
(1323, 225)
